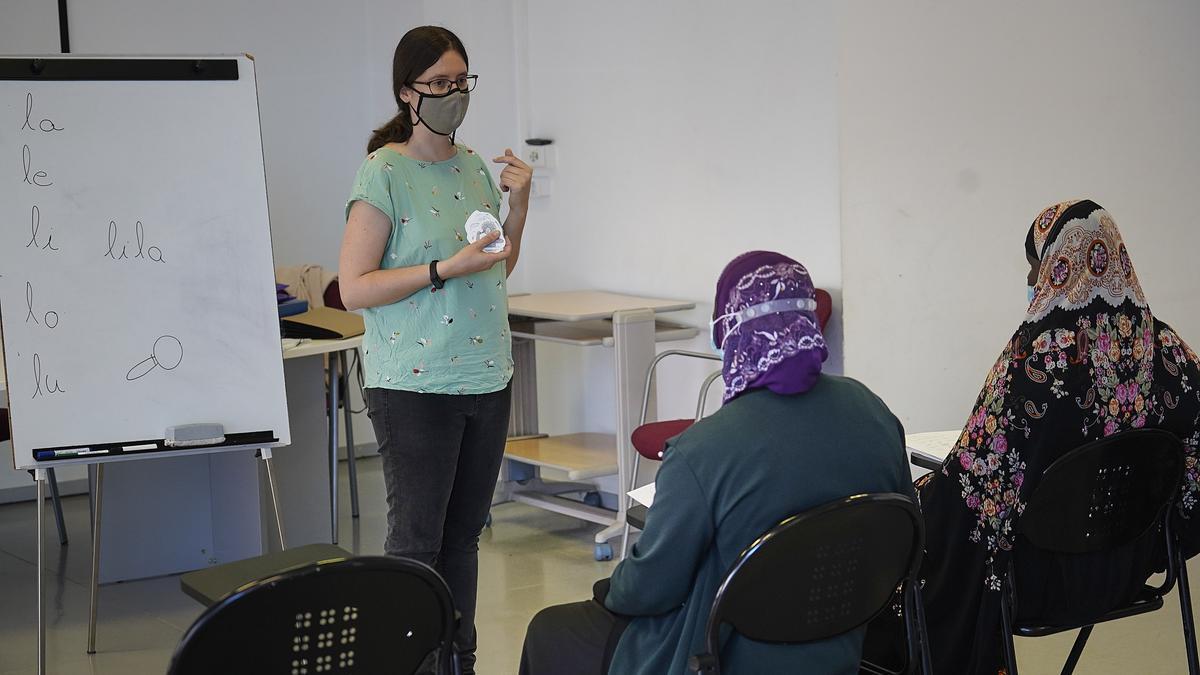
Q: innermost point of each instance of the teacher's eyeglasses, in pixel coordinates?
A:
(442, 86)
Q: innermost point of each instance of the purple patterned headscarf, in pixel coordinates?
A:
(777, 350)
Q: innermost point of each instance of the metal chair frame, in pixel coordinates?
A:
(1150, 600)
(700, 406)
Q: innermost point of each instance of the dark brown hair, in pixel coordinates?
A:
(416, 52)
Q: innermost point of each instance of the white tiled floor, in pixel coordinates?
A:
(529, 559)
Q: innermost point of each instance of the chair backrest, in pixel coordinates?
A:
(821, 573)
(356, 615)
(1104, 494)
(824, 307)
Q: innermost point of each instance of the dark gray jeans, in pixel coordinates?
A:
(441, 456)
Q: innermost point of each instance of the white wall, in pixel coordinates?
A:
(29, 27)
(960, 121)
(686, 133)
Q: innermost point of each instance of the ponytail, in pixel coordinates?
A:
(397, 130)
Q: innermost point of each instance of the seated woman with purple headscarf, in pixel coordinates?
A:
(789, 438)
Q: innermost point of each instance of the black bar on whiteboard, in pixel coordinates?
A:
(118, 69)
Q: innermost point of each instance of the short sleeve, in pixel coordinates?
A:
(373, 186)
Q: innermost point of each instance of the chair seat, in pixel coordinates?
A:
(1148, 601)
(650, 440)
(212, 584)
(636, 516)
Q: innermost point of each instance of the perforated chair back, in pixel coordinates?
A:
(821, 573)
(357, 615)
(1104, 494)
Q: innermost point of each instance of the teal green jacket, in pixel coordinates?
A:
(726, 481)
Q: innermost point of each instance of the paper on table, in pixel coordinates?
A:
(643, 495)
(935, 445)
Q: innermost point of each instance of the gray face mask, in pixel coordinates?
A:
(443, 114)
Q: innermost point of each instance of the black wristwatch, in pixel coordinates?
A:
(434, 279)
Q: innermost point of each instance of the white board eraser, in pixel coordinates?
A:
(186, 435)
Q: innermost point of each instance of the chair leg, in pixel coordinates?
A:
(1077, 650)
(922, 637)
(629, 504)
(1185, 608)
(1006, 622)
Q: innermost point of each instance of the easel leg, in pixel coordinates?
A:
(39, 475)
(333, 439)
(96, 518)
(348, 421)
(266, 455)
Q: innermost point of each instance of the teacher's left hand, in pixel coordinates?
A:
(515, 179)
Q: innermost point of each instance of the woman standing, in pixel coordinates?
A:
(437, 351)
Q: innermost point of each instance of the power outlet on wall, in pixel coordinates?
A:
(540, 156)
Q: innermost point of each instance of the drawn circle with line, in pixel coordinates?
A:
(168, 352)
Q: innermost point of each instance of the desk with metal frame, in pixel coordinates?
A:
(337, 383)
(627, 324)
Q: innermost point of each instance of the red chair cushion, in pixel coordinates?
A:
(650, 440)
(333, 296)
(824, 307)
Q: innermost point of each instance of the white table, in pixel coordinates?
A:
(630, 326)
(302, 368)
(928, 450)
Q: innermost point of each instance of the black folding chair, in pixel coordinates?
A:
(823, 573)
(356, 615)
(1094, 499)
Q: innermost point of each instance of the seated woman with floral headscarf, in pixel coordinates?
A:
(788, 438)
(1089, 360)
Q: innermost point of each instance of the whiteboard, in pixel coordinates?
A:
(136, 274)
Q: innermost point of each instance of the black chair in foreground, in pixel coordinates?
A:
(1092, 500)
(823, 573)
(356, 615)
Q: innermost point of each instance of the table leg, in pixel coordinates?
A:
(351, 466)
(57, 502)
(333, 439)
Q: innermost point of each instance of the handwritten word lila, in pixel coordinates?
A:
(152, 253)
